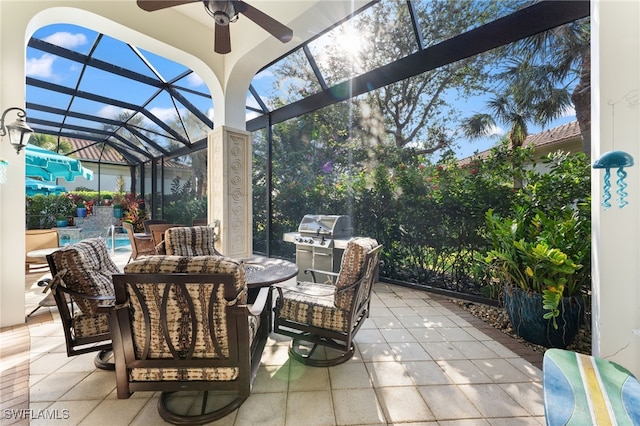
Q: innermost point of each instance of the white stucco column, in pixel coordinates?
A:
(615, 77)
(229, 158)
(12, 193)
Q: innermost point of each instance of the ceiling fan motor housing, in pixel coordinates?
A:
(222, 12)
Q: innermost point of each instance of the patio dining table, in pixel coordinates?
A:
(263, 271)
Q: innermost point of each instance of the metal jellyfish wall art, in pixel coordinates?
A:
(611, 160)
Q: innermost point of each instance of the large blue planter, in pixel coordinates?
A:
(526, 314)
(81, 211)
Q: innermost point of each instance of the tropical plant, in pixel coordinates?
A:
(522, 256)
(543, 243)
(134, 211)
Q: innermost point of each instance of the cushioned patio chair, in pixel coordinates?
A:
(191, 241)
(329, 315)
(141, 244)
(182, 324)
(84, 295)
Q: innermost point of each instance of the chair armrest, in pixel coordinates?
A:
(83, 295)
(351, 286)
(279, 288)
(261, 301)
(319, 271)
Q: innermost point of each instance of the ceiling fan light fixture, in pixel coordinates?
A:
(223, 12)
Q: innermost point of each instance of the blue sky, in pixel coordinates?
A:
(64, 72)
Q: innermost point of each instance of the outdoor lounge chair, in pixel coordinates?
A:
(329, 315)
(37, 239)
(183, 324)
(83, 292)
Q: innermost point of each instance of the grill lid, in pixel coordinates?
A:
(334, 226)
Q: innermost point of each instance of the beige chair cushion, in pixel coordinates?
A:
(89, 325)
(352, 267)
(314, 304)
(190, 241)
(86, 267)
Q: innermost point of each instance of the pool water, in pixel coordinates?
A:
(120, 242)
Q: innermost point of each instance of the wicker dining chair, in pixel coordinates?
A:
(141, 245)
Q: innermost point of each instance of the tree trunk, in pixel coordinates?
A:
(581, 98)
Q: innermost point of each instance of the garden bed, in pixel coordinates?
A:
(497, 317)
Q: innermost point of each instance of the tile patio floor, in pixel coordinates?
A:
(420, 360)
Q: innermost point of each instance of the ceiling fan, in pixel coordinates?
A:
(225, 12)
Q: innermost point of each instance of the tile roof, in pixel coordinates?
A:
(85, 150)
(564, 133)
(92, 152)
(558, 134)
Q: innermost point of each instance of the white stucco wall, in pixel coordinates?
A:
(616, 126)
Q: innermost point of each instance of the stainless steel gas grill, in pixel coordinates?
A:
(320, 242)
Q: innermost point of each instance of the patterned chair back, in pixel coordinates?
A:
(352, 268)
(85, 267)
(170, 316)
(191, 241)
(182, 324)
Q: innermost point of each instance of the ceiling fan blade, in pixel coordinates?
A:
(153, 5)
(222, 42)
(275, 28)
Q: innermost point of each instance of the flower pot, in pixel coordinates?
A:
(117, 212)
(61, 223)
(81, 211)
(525, 312)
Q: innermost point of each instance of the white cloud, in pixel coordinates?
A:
(111, 111)
(66, 39)
(164, 114)
(194, 80)
(495, 131)
(569, 112)
(40, 67)
(266, 73)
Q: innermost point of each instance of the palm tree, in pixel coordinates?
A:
(528, 95)
(568, 48)
(50, 142)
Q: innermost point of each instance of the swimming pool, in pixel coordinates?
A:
(121, 242)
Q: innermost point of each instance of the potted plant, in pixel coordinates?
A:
(107, 200)
(81, 209)
(535, 259)
(117, 211)
(61, 221)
